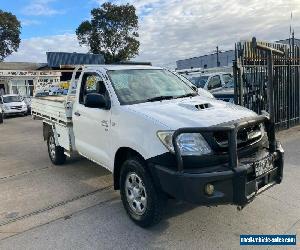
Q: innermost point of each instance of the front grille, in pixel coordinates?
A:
(245, 136)
(16, 107)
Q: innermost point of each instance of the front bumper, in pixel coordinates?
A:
(233, 186)
(8, 112)
(234, 183)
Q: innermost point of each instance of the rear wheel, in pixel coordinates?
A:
(56, 153)
(142, 201)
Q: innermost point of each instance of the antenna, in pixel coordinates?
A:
(291, 24)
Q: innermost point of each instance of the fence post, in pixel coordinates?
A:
(235, 77)
(270, 93)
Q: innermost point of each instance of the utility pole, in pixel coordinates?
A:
(218, 63)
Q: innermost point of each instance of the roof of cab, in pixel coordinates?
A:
(120, 67)
(215, 74)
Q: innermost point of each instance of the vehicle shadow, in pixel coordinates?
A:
(13, 116)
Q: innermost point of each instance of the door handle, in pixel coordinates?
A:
(77, 113)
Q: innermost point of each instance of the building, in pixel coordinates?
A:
(211, 60)
(23, 77)
(207, 61)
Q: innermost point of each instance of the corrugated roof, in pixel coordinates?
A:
(55, 59)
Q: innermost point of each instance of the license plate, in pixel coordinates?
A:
(263, 166)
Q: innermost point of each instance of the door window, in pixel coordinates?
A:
(214, 82)
(92, 83)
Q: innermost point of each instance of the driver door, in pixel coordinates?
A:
(92, 125)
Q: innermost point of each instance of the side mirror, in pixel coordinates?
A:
(94, 100)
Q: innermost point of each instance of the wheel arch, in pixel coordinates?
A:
(121, 155)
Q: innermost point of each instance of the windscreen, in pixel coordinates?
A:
(142, 85)
(8, 99)
(199, 81)
(227, 78)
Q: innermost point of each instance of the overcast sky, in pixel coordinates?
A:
(169, 29)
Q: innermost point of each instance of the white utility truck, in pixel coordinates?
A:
(160, 139)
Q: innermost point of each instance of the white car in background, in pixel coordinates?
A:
(212, 81)
(13, 105)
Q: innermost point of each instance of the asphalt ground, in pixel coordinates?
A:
(75, 207)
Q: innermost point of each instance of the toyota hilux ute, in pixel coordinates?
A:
(160, 139)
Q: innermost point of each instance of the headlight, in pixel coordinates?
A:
(188, 143)
(24, 106)
(5, 107)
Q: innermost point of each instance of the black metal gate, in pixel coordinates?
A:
(267, 79)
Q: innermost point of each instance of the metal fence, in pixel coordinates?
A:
(254, 68)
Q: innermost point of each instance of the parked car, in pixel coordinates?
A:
(13, 105)
(160, 138)
(200, 91)
(211, 82)
(226, 93)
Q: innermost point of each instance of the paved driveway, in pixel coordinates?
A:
(74, 206)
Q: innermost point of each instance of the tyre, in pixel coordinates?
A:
(141, 199)
(1, 118)
(56, 153)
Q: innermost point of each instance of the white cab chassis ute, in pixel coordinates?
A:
(161, 139)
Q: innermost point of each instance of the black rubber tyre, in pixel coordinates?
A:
(56, 153)
(153, 209)
(1, 118)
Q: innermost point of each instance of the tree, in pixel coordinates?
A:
(112, 32)
(10, 30)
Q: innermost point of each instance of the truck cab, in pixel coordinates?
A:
(161, 138)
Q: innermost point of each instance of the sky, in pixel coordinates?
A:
(169, 30)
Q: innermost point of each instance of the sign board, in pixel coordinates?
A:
(32, 73)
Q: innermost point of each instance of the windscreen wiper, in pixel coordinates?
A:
(186, 95)
(160, 98)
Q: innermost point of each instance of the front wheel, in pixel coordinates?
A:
(141, 199)
(56, 153)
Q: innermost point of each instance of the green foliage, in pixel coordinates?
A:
(10, 30)
(112, 32)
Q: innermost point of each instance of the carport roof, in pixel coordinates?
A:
(21, 65)
(56, 59)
